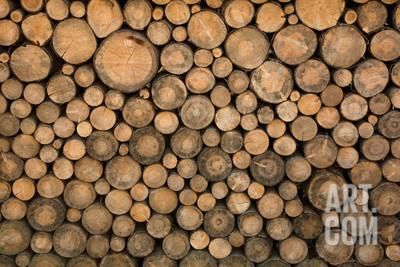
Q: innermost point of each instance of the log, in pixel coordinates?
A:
(30, 63)
(96, 219)
(308, 225)
(9, 124)
(390, 170)
(388, 126)
(118, 202)
(176, 182)
(137, 14)
(394, 96)
(37, 28)
(293, 250)
(197, 112)
(177, 58)
(197, 259)
(364, 72)
(97, 246)
(5, 191)
(122, 172)
(316, 192)
(287, 111)
(200, 80)
(312, 76)
(247, 47)
(135, 107)
(88, 169)
(61, 89)
(219, 248)
(351, 16)
(176, 245)
(238, 81)
(170, 200)
(4, 74)
(159, 226)
(218, 222)
(57, 9)
(284, 145)
(74, 41)
(47, 259)
(368, 23)
(69, 232)
(384, 198)
(395, 148)
(304, 128)
(270, 17)
(77, 9)
(123, 226)
(258, 249)
(206, 30)
(275, 261)
(239, 19)
(6, 8)
(84, 76)
(222, 67)
(169, 93)
(343, 77)
(13, 209)
(316, 16)
(392, 252)
(177, 12)
(276, 128)
(369, 255)
(144, 68)
(10, 32)
(268, 168)
(270, 206)
(12, 89)
(159, 32)
(137, 248)
(101, 145)
(302, 40)
(158, 258)
(46, 214)
(77, 110)
(279, 228)
(41, 242)
(93, 96)
(15, 237)
(347, 157)
(219, 190)
(314, 261)
(346, 53)
(328, 117)
(366, 172)
(375, 148)
(78, 194)
(214, 164)
(272, 82)
(382, 39)
(187, 197)
(334, 254)
(73, 215)
(120, 259)
(104, 17)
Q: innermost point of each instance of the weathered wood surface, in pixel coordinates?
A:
(197, 132)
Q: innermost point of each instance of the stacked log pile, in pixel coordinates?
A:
(196, 132)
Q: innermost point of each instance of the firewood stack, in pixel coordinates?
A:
(196, 133)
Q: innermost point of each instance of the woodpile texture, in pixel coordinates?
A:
(196, 133)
